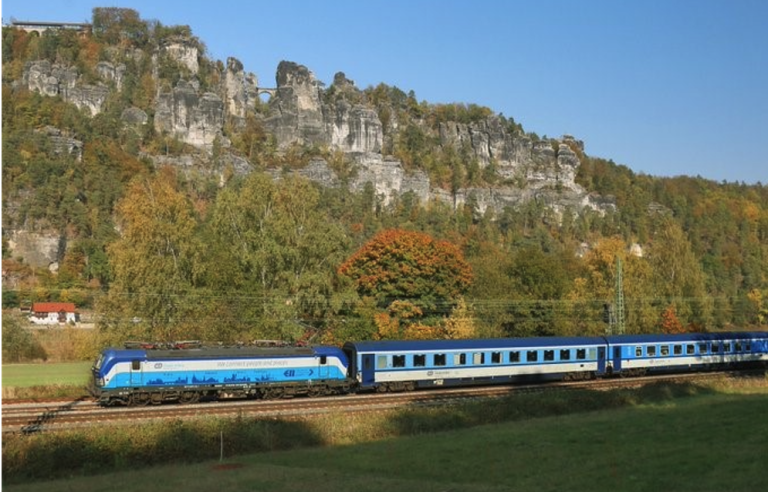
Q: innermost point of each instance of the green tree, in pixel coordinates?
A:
(154, 263)
(277, 246)
(678, 276)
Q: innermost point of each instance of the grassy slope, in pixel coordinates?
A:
(704, 442)
(26, 375)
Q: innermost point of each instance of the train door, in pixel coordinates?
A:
(368, 370)
(322, 372)
(616, 358)
(136, 373)
(601, 360)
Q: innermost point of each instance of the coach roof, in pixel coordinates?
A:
(472, 344)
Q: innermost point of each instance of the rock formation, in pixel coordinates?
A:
(54, 79)
(193, 118)
(240, 90)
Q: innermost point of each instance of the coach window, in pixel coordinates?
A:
(459, 359)
(565, 354)
(323, 360)
(495, 357)
(690, 349)
(514, 357)
(651, 350)
(381, 362)
(677, 349)
(726, 347)
(702, 348)
(478, 358)
(748, 347)
(398, 361)
(532, 356)
(549, 355)
(136, 365)
(738, 347)
(419, 360)
(638, 351)
(664, 350)
(439, 359)
(581, 354)
(715, 348)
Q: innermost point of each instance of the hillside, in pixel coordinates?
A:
(96, 121)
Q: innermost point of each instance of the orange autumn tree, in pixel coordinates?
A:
(670, 323)
(405, 269)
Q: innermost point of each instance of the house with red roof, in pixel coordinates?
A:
(52, 313)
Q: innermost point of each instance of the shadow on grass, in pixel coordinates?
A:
(421, 419)
(45, 456)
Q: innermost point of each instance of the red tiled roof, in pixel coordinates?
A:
(53, 307)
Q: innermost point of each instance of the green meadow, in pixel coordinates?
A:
(27, 375)
(666, 437)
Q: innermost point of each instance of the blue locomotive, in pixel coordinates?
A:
(139, 376)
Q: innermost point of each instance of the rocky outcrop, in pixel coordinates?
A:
(61, 143)
(38, 249)
(299, 115)
(110, 72)
(54, 79)
(134, 117)
(193, 118)
(185, 52)
(303, 113)
(240, 90)
(296, 115)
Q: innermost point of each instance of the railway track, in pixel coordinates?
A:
(30, 418)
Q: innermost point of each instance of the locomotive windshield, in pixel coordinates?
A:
(99, 361)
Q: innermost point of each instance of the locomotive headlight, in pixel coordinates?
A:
(100, 382)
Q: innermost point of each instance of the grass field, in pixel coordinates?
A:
(709, 441)
(26, 375)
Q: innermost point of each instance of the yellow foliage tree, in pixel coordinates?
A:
(461, 323)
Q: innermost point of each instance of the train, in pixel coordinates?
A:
(146, 374)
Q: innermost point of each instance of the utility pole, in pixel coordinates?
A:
(619, 306)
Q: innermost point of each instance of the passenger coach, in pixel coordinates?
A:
(406, 365)
(639, 354)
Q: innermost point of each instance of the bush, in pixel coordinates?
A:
(18, 343)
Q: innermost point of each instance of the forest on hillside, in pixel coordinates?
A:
(163, 254)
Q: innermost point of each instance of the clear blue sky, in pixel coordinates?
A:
(665, 87)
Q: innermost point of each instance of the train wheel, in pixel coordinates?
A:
(138, 399)
(273, 393)
(187, 397)
(317, 390)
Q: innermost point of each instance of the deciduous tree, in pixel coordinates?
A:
(404, 265)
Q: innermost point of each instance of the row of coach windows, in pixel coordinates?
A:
(480, 358)
(690, 349)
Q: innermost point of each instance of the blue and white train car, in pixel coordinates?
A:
(406, 365)
(139, 376)
(640, 354)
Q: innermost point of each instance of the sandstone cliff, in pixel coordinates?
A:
(302, 111)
